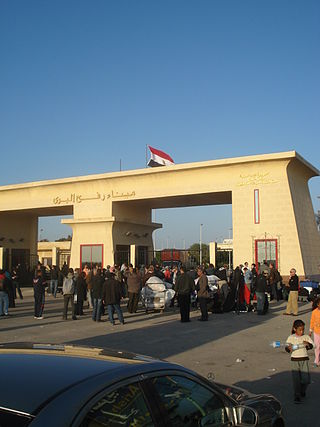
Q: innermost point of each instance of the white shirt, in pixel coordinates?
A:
(299, 349)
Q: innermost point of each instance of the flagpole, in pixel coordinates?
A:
(146, 155)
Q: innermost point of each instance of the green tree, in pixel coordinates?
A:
(65, 239)
(194, 253)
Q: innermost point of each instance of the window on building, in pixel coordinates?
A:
(256, 207)
(142, 255)
(122, 254)
(266, 250)
(91, 255)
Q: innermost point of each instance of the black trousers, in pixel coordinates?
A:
(66, 300)
(38, 304)
(133, 302)
(184, 305)
(17, 288)
(203, 307)
(79, 307)
(274, 294)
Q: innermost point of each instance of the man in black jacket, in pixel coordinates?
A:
(292, 306)
(39, 295)
(183, 287)
(112, 294)
(238, 284)
(203, 294)
(54, 274)
(97, 283)
(81, 290)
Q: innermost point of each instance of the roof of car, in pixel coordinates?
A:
(34, 373)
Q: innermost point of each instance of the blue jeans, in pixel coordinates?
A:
(111, 309)
(53, 287)
(260, 301)
(96, 313)
(89, 298)
(4, 303)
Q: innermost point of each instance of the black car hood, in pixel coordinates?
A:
(33, 373)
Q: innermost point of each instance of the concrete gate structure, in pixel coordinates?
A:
(272, 212)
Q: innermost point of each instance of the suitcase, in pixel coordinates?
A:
(303, 294)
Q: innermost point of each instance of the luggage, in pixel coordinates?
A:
(230, 300)
(212, 279)
(155, 295)
(309, 284)
(303, 294)
(313, 295)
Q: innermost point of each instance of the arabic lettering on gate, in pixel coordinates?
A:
(79, 198)
(256, 179)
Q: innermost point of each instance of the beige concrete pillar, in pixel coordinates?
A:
(133, 255)
(91, 231)
(212, 252)
(1, 258)
(54, 255)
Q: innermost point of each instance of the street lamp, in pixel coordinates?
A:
(184, 244)
(154, 235)
(200, 241)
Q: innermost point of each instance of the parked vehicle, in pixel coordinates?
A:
(64, 385)
(170, 255)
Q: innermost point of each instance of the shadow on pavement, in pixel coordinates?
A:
(280, 385)
(170, 337)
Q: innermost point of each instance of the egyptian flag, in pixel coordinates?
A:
(159, 158)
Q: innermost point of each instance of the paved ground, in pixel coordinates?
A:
(205, 347)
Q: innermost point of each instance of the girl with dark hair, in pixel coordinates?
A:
(297, 345)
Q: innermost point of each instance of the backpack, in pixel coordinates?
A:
(68, 286)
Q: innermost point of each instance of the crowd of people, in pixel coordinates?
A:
(242, 289)
(9, 287)
(101, 289)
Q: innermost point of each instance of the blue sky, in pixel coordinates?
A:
(85, 83)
